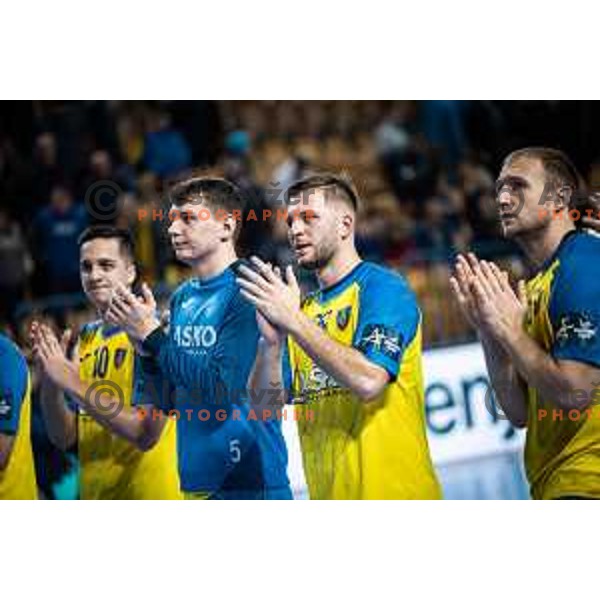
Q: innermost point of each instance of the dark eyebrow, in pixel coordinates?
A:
(511, 181)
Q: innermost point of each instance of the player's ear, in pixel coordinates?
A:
(228, 227)
(564, 194)
(346, 225)
(131, 273)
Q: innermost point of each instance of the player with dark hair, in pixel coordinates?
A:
(542, 343)
(351, 352)
(225, 450)
(124, 452)
(17, 472)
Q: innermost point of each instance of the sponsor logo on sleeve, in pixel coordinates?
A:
(577, 328)
(6, 405)
(381, 339)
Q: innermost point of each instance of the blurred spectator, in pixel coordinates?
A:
(151, 246)
(101, 166)
(200, 122)
(237, 143)
(385, 232)
(406, 162)
(15, 185)
(441, 232)
(443, 125)
(373, 225)
(153, 249)
(316, 119)
(166, 152)
(254, 234)
(102, 184)
(54, 243)
(392, 135)
(69, 123)
(46, 170)
(130, 132)
(102, 122)
(293, 168)
(14, 263)
(481, 212)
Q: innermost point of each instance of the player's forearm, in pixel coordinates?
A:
(539, 369)
(345, 364)
(266, 374)
(108, 411)
(59, 420)
(505, 382)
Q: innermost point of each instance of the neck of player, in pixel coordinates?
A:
(342, 263)
(541, 244)
(215, 263)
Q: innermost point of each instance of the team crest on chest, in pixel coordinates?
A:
(343, 317)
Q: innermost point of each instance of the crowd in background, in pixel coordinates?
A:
(424, 170)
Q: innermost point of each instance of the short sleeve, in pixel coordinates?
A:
(13, 386)
(575, 311)
(388, 320)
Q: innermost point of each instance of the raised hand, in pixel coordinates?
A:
(136, 315)
(461, 286)
(501, 310)
(275, 299)
(487, 299)
(50, 353)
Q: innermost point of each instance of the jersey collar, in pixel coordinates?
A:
(338, 286)
(562, 244)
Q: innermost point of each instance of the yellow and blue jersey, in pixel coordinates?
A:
(562, 451)
(17, 479)
(352, 449)
(111, 467)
